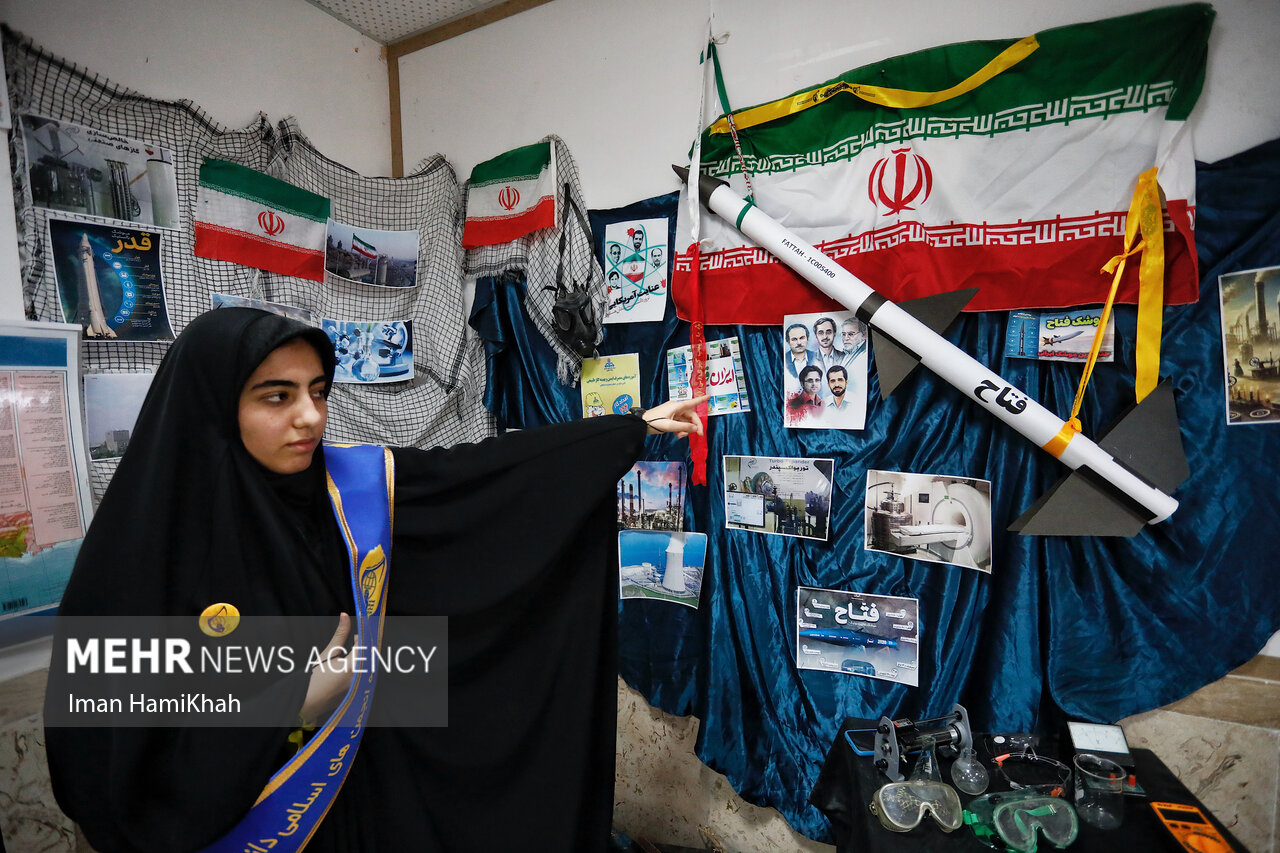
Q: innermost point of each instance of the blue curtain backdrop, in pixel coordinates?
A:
(1088, 628)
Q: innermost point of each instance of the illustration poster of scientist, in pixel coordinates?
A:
(1058, 335)
(636, 262)
(111, 405)
(726, 378)
(371, 353)
(82, 170)
(610, 385)
(824, 371)
(371, 255)
(1251, 344)
(223, 300)
(44, 484)
(779, 495)
(661, 566)
(651, 496)
(930, 517)
(108, 280)
(875, 636)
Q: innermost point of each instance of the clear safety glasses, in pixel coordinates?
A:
(1014, 818)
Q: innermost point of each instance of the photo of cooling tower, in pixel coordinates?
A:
(1251, 344)
(930, 517)
(662, 566)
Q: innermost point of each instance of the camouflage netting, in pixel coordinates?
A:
(442, 405)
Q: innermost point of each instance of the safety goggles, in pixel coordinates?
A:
(1014, 818)
(902, 805)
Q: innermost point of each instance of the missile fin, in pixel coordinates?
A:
(1078, 505)
(939, 310)
(894, 362)
(1147, 441)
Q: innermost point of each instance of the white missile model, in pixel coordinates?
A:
(1104, 496)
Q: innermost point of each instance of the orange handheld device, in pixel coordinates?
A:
(1191, 829)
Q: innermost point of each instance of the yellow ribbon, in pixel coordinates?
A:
(904, 99)
(1145, 218)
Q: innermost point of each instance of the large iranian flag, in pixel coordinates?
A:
(254, 219)
(1004, 165)
(511, 195)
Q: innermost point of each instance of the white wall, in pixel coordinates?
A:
(234, 58)
(618, 80)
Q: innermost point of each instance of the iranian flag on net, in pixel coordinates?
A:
(511, 195)
(250, 218)
(1019, 185)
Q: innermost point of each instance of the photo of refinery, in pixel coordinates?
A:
(651, 497)
(1251, 343)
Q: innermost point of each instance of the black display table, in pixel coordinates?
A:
(847, 782)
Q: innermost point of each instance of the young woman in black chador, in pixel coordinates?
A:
(222, 497)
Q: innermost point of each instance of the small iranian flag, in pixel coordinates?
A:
(360, 247)
(1003, 165)
(250, 218)
(511, 195)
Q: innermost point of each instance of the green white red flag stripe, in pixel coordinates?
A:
(1020, 187)
(362, 248)
(249, 218)
(511, 195)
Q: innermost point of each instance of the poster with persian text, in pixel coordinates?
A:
(610, 385)
(83, 170)
(44, 483)
(857, 633)
(109, 280)
(636, 261)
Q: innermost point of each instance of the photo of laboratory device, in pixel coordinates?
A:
(930, 517)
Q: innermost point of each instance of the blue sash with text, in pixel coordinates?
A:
(361, 486)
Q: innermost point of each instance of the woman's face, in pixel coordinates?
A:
(283, 408)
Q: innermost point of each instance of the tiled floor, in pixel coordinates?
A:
(1223, 742)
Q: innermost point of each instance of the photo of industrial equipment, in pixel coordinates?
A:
(82, 170)
(1251, 344)
(875, 636)
(778, 495)
(930, 517)
(651, 496)
(662, 566)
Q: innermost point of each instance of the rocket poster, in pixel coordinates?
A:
(109, 282)
(857, 633)
(635, 266)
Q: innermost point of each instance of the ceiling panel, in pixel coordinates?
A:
(389, 21)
